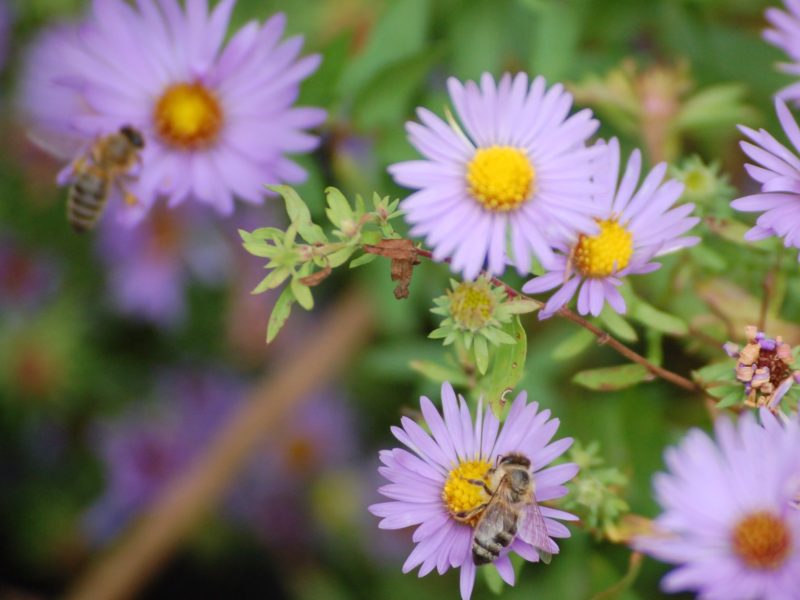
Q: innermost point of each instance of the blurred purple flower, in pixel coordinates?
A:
(730, 521)
(27, 278)
(145, 448)
(151, 264)
(777, 170)
(5, 31)
(218, 118)
(431, 482)
(272, 496)
(785, 34)
(636, 226)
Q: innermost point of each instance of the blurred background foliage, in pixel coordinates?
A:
(673, 77)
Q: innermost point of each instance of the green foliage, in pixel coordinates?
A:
(610, 379)
(307, 264)
(597, 491)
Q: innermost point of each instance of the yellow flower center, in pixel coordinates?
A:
(460, 495)
(472, 305)
(188, 116)
(500, 177)
(602, 254)
(762, 540)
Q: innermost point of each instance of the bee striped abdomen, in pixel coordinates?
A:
(87, 198)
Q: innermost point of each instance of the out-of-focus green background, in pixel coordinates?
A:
(70, 362)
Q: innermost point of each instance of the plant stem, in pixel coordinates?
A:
(603, 337)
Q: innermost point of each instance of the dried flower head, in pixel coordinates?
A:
(764, 367)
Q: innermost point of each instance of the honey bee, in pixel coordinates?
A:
(104, 166)
(511, 511)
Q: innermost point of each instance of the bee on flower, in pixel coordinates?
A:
(636, 226)
(218, 116)
(440, 483)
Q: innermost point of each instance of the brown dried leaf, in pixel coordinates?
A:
(316, 278)
(403, 255)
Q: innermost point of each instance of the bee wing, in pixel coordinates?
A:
(533, 530)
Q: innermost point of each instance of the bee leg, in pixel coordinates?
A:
(466, 515)
(479, 483)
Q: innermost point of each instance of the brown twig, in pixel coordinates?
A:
(603, 337)
(127, 567)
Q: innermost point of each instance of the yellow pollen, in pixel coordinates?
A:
(472, 305)
(605, 253)
(188, 116)
(500, 177)
(762, 540)
(459, 495)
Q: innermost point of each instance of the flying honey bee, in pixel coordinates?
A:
(103, 167)
(511, 511)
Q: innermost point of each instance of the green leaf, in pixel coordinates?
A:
(613, 378)
(385, 99)
(652, 317)
(362, 260)
(573, 345)
(271, 234)
(340, 257)
(295, 207)
(493, 580)
(401, 32)
(273, 280)
(721, 391)
(714, 372)
(260, 249)
(521, 306)
(481, 349)
(339, 209)
(507, 368)
(439, 373)
(302, 294)
(617, 325)
(733, 398)
(280, 313)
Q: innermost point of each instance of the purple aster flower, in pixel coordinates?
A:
(218, 117)
(170, 249)
(518, 167)
(145, 448)
(729, 518)
(777, 169)
(786, 36)
(430, 485)
(635, 227)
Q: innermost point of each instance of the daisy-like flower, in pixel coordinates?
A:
(430, 483)
(730, 520)
(218, 117)
(785, 34)
(635, 227)
(516, 165)
(777, 169)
